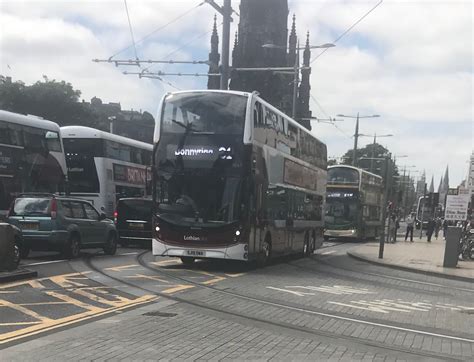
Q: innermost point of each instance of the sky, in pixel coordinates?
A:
(411, 62)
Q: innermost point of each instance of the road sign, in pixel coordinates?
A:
(456, 207)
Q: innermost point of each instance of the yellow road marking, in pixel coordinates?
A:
(122, 267)
(18, 324)
(166, 262)
(36, 284)
(39, 328)
(177, 288)
(41, 303)
(151, 277)
(73, 301)
(115, 303)
(26, 311)
(28, 282)
(66, 281)
(212, 281)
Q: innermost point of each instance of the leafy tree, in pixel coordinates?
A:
(368, 158)
(50, 99)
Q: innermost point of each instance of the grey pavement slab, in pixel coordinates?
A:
(417, 256)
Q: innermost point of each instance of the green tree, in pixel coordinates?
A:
(50, 99)
(369, 158)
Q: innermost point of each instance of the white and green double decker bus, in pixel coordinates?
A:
(353, 203)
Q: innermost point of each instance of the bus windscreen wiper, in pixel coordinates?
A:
(190, 128)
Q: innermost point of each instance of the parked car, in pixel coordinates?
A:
(50, 222)
(133, 221)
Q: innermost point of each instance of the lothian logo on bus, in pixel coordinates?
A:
(192, 238)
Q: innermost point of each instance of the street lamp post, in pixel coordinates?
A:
(373, 146)
(356, 134)
(296, 67)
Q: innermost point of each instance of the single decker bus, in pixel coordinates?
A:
(234, 178)
(353, 203)
(31, 157)
(104, 167)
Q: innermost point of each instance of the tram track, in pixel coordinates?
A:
(287, 326)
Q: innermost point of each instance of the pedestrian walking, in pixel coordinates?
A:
(437, 227)
(445, 227)
(430, 229)
(410, 222)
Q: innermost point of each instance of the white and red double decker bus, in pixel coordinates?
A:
(103, 167)
(234, 178)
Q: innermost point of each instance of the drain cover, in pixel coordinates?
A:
(160, 314)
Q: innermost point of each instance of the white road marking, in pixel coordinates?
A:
(45, 262)
(386, 305)
(355, 320)
(328, 252)
(335, 289)
(135, 253)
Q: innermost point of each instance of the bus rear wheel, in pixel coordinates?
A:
(186, 260)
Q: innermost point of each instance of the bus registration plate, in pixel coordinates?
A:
(195, 253)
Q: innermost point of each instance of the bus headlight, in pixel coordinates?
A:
(157, 228)
(237, 233)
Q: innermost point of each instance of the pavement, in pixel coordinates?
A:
(419, 256)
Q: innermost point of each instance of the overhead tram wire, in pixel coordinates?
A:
(347, 31)
(333, 123)
(159, 29)
(131, 31)
(182, 46)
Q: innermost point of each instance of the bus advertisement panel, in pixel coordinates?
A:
(230, 179)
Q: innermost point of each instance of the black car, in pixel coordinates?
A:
(133, 221)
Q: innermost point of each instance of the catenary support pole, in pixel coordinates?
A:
(227, 12)
(356, 138)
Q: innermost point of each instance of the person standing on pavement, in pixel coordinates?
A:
(445, 227)
(430, 229)
(437, 227)
(410, 222)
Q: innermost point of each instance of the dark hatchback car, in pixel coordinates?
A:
(133, 221)
(56, 223)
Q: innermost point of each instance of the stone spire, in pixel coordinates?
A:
(431, 189)
(440, 187)
(446, 179)
(292, 43)
(213, 82)
(305, 87)
(235, 51)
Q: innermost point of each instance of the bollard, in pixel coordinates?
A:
(7, 243)
(451, 250)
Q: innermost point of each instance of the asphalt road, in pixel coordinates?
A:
(328, 306)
